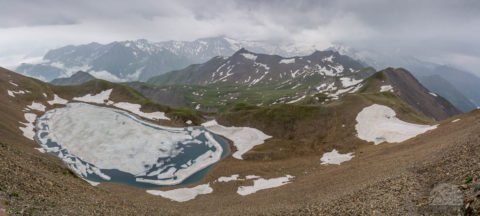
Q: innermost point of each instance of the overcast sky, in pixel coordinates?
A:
(444, 31)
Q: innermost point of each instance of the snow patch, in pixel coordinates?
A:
(93, 183)
(385, 88)
(14, 84)
(287, 61)
(135, 108)
(378, 123)
(348, 81)
(229, 178)
(296, 100)
(244, 138)
(41, 150)
(37, 106)
(99, 98)
(27, 130)
(262, 184)
(249, 56)
(334, 157)
(13, 93)
(456, 120)
(105, 75)
(252, 177)
(433, 94)
(57, 100)
(328, 59)
(183, 194)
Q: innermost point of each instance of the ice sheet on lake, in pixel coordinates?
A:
(244, 138)
(378, 123)
(183, 194)
(94, 138)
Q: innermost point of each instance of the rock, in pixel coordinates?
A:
(475, 206)
(477, 187)
(464, 187)
(468, 200)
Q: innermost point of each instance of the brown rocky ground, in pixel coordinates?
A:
(387, 179)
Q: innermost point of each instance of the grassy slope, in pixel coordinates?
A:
(312, 128)
(222, 97)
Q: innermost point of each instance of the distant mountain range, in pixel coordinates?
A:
(321, 77)
(458, 86)
(141, 59)
(249, 69)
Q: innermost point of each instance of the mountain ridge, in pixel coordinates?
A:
(77, 78)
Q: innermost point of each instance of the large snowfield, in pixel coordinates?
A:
(92, 138)
(378, 124)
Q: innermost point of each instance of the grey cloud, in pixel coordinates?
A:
(426, 28)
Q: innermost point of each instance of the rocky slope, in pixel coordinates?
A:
(465, 82)
(444, 88)
(411, 91)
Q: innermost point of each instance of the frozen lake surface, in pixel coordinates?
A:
(104, 144)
